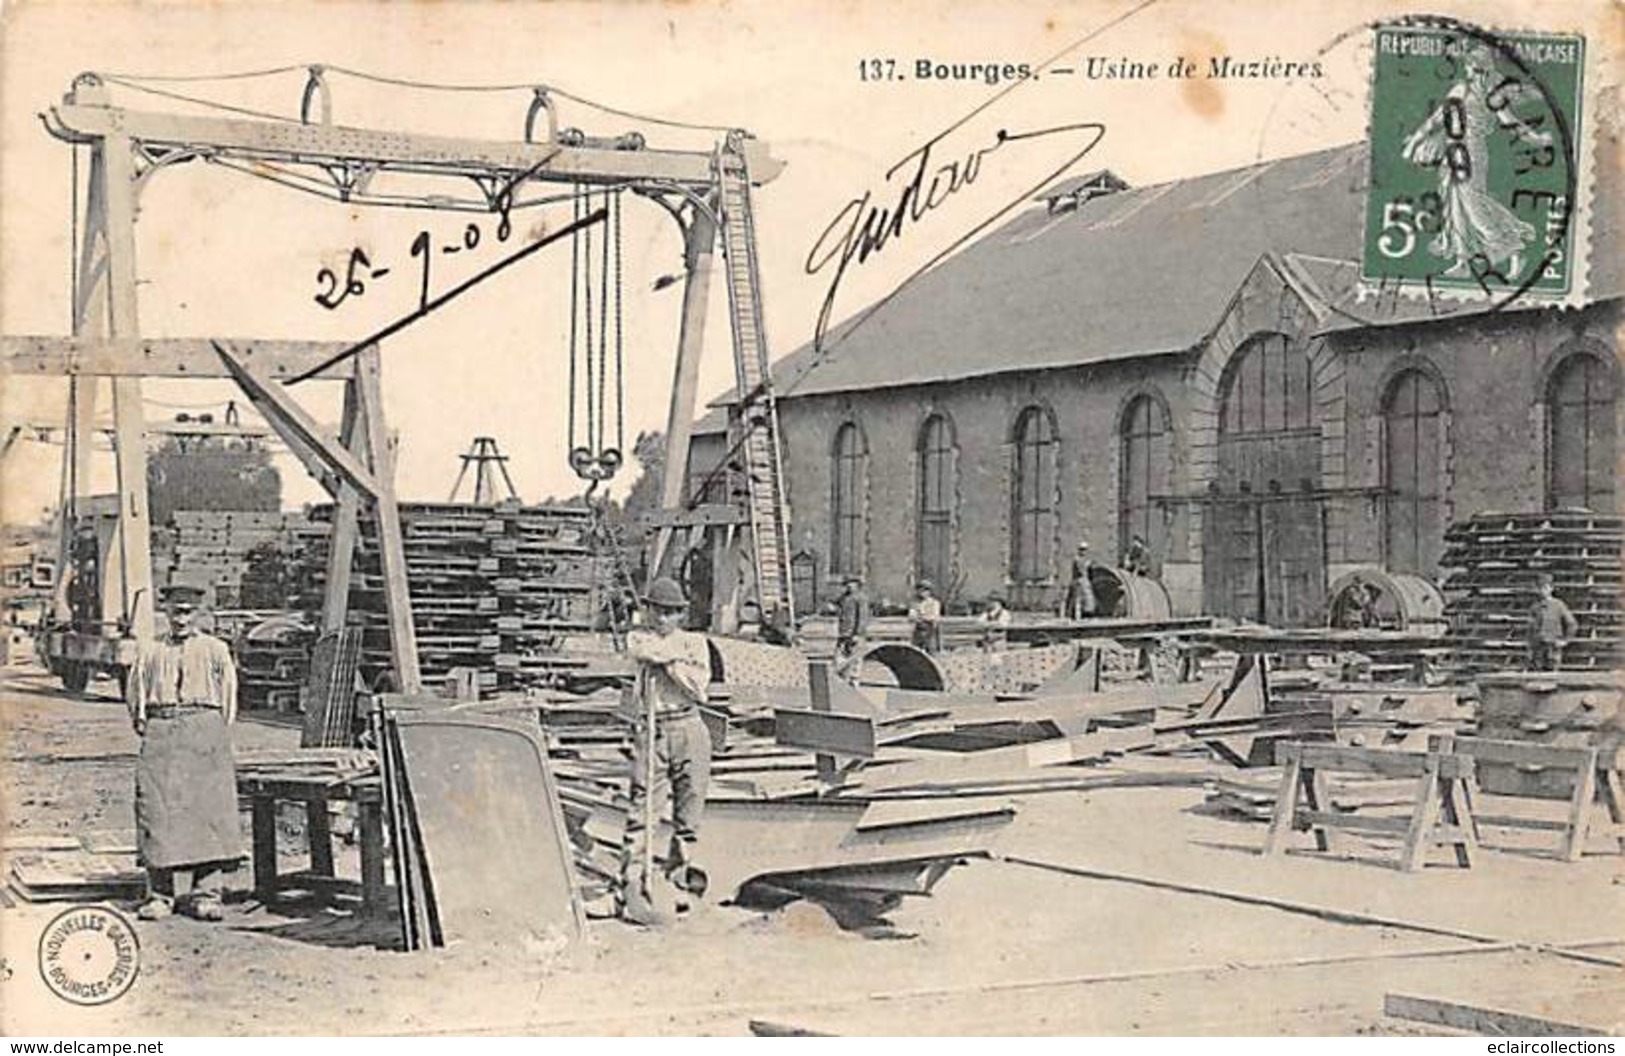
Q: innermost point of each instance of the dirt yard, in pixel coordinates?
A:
(1001, 947)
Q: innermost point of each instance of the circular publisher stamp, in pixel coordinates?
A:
(1474, 189)
(89, 955)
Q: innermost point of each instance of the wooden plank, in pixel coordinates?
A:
(1356, 760)
(91, 356)
(1525, 753)
(1479, 1019)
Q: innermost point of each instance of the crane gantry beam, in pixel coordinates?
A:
(317, 144)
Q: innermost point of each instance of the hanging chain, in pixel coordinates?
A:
(591, 457)
(575, 300)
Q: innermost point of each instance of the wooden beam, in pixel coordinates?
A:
(295, 425)
(403, 642)
(1496, 1022)
(700, 516)
(174, 357)
(334, 144)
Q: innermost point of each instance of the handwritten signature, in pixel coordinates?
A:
(863, 229)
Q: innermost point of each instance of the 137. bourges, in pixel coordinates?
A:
(1092, 68)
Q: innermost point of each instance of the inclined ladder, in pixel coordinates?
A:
(759, 417)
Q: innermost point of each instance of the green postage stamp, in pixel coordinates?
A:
(1476, 162)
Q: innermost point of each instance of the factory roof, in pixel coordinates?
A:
(1133, 272)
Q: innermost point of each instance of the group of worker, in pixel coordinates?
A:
(182, 696)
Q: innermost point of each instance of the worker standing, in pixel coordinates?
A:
(1551, 625)
(926, 615)
(1080, 593)
(851, 624)
(674, 669)
(182, 697)
(995, 622)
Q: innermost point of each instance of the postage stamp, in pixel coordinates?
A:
(1475, 161)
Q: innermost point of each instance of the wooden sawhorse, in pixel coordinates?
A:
(1596, 782)
(262, 796)
(1441, 795)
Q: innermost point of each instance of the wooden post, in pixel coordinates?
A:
(341, 544)
(370, 820)
(700, 242)
(262, 808)
(319, 834)
(403, 643)
(818, 686)
(129, 427)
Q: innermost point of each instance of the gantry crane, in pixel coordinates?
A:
(708, 193)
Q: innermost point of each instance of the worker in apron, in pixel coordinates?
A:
(182, 696)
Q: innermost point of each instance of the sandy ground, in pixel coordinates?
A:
(999, 948)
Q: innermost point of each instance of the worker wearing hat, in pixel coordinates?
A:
(674, 669)
(926, 614)
(851, 624)
(182, 696)
(1551, 626)
(1080, 593)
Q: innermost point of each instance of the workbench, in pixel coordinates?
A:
(261, 795)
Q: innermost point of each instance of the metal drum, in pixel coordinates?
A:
(1123, 594)
(1404, 602)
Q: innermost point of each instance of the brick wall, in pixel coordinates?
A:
(1493, 368)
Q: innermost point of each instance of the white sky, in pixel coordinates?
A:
(222, 254)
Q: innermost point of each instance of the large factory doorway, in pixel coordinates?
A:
(1264, 542)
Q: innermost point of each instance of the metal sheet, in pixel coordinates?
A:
(493, 836)
(852, 736)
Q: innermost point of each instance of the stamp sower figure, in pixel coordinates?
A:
(182, 699)
(1472, 224)
(926, 614)
(1551, 625)
(674, 669)
(1080, 593)
(851, 624)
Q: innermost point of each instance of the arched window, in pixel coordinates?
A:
(1412, 470)
(1263, 533)
(1144, 471)
(1266, 392)
(1034, 497)
(849, 478)
(934, 534)
(1580, 427)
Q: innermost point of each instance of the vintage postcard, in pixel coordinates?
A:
(687, 518)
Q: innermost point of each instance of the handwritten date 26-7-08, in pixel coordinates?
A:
(334, 289)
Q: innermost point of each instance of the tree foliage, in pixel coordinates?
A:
(211, 473)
